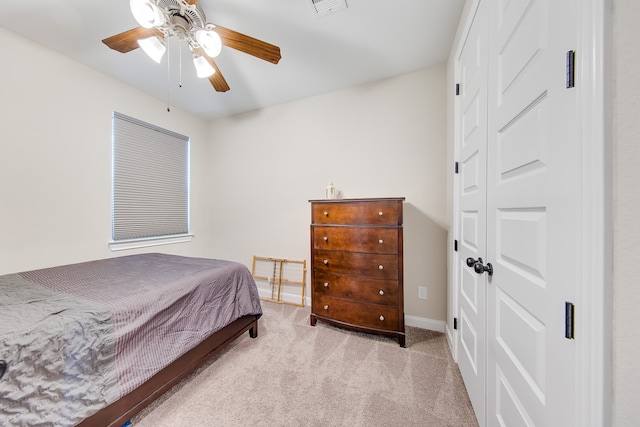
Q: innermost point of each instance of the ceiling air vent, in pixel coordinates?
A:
(327, 7)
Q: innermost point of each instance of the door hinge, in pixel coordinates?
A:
(571, 68)
(455, 167)
(569, 316)
(455, 245)
(457, 88)
(455, 323)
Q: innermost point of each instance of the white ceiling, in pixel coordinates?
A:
(370, 40)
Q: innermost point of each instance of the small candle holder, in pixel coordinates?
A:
(330, 191)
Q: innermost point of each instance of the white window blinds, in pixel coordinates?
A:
(150, 181)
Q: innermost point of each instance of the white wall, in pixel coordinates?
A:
(252, 175)
(55, 158)
(626, 291)
(385, 139)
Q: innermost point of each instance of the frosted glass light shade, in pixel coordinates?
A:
(203, 68)
(154, 47)
(210, 41)
(146, 13)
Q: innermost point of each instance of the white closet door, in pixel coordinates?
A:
(518, 210)
(532, 213)
(472, 65)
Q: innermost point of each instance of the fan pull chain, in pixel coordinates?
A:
(180, 70)
(168, 78)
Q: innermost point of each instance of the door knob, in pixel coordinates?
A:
(471, 262)
(481, 268)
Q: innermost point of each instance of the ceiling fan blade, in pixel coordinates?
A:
(249, 45)
(217, 79)
(128, 41)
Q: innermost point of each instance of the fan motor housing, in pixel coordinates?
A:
(180, 27)
(192, 14)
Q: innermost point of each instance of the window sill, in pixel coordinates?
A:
(152, 241)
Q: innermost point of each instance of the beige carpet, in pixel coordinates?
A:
(294, 374)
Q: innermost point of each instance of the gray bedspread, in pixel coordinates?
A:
(78, 337)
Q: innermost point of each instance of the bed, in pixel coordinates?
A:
(94, 343)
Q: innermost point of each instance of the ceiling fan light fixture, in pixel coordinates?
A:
(147, 13)
(154, 47)
(210, 41)
(203, 68)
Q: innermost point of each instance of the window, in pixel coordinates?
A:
(150, 170)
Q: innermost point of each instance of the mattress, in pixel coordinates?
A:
(78, 337)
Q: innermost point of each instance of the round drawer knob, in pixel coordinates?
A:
(381, 318)
(326, 284)
(325, 213)
(381, 292)
(326, 262)
(325, 238)
(380, 213)
(326, 307)
(381, 267)
(381, 241)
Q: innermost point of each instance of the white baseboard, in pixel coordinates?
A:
(424, 323)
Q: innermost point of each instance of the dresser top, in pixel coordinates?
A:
(372, 199)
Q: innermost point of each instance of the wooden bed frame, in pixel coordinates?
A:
(122, 410)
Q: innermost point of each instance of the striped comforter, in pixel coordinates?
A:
(78, 337)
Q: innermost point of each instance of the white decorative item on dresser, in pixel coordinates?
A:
(356, 255)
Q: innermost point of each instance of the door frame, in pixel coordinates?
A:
(595, 44)
(594, 306)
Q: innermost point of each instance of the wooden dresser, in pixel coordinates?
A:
(356, 259)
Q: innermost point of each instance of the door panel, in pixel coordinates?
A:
(510, 410)
(471, 168)
(518, 209)
(472, 62)
(470, 229)
(469, 342)
(521, 336)
(515, 226)
(528, 167)
(520, 146)
(469, 284)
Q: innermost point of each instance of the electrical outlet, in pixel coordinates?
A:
(422, 292)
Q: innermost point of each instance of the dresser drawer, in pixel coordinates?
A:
(364, 212)
(356, 239)
(367, 290)
(357, 313)
(377, 266)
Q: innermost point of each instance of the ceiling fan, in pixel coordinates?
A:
(185, 20)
